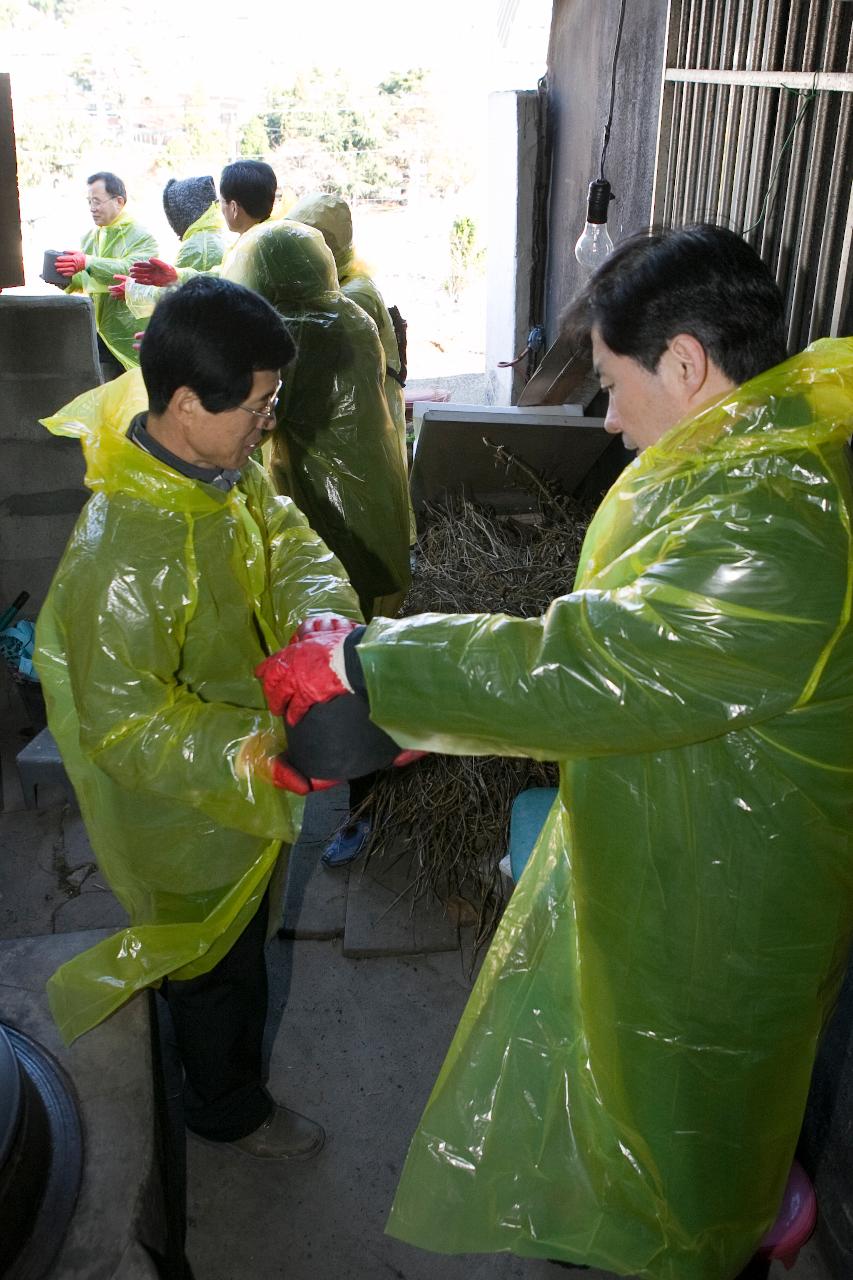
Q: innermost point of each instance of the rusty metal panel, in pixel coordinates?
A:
(738, 78)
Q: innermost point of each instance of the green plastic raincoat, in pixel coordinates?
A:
(334, 449)
(627, 1082)
(202, 248)
(331, 216)
(110, 251)
(168, 594)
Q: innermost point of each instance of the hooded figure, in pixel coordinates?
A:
(334, 450)
(192, 211)
(331, 216)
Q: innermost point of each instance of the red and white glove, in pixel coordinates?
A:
(309, 669)
(117, 290)
(154, 271)
(70, 261)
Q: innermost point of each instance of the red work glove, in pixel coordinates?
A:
(154, 271)
(117, 290)
(70, 261)
(137, 339)
(302, 674)
(288, 778)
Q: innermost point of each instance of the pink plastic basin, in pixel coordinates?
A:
(795, 1222)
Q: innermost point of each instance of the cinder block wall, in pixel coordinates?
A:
(48, 356)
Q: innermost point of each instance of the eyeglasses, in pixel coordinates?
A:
(99, 204)
(268, 415)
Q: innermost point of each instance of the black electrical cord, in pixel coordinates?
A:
(612, 86)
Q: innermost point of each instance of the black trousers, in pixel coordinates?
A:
(219, 1021)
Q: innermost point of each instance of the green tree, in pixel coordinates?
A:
(465, 257)
(254, 140)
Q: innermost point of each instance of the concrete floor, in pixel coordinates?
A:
(358, 1030)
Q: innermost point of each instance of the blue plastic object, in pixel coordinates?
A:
(346, 845)
(529, 811)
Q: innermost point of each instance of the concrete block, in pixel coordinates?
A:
(40, 334)
(382, 918)
(26, 400)
(34, 576)
(40, 465)
(36, 533)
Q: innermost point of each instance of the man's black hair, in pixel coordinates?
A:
(211, 335)
(252, 184)
(702, 280)
(113, 185)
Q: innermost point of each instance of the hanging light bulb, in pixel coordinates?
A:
(594, 244)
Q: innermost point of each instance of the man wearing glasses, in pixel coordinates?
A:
(185, 570)
(114, 243)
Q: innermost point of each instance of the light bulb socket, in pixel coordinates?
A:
(598, 199)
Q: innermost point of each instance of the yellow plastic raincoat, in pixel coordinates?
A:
(110, 251)
(627, 1083)
(202, 248)
(334, 449)
(167, 596)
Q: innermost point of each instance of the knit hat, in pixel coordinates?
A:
(185, 200)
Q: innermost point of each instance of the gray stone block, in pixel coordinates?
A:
(25, 402)
(42, 335)
(37, 466)
(383, 919)
(34, 576)
(38, 535)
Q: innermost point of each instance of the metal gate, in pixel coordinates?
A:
(755, 134)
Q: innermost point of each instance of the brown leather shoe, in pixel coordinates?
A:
(286, 1135)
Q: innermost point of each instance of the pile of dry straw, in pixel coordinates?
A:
(446, 819)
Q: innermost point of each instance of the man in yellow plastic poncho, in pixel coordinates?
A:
(183, 572)
(628, 1080)
(192, 211)
(247, 190)
(108, 250)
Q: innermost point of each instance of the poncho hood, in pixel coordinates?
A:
(331, 216)
(287, 262)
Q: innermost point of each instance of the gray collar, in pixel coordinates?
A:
(220, 477)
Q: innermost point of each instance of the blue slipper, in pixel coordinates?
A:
(346, 845)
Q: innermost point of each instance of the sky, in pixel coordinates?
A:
(271, 43)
